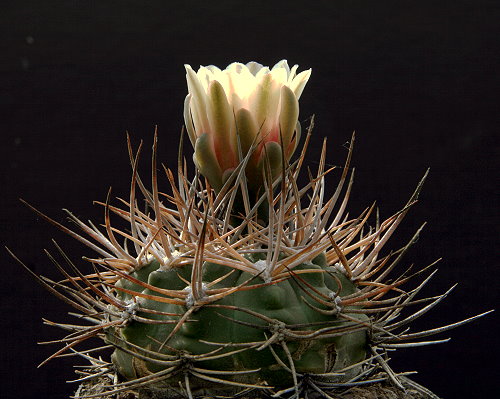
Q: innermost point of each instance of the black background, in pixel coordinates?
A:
(417, 80)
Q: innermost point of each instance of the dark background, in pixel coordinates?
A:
(417, 80)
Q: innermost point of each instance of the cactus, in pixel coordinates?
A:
(242, 282)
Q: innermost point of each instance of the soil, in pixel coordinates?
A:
(373, 391)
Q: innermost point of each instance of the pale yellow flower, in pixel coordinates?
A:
(242, 101)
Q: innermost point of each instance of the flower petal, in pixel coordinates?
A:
(242, 83)
(236, 67)
(271, 156)
(221, 124)
(205, 76)
(299, 82)
(188, 120)
(213, 68)
(198, 101)
(295, 141)
(263, 104)
(280, 75)
(283, 64)
(289, 114)
(261, 73)
(246, 129)
(205, 161)
(292, 74)
(254, 67)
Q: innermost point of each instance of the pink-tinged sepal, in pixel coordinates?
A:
(271, 160)
(206, 162)
(289, 114)
(222, 126)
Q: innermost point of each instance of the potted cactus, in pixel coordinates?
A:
(239, 281)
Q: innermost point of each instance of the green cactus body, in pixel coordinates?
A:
(283, 305)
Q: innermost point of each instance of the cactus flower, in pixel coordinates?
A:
(227, 111)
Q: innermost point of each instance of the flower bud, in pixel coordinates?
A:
(241, 108)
